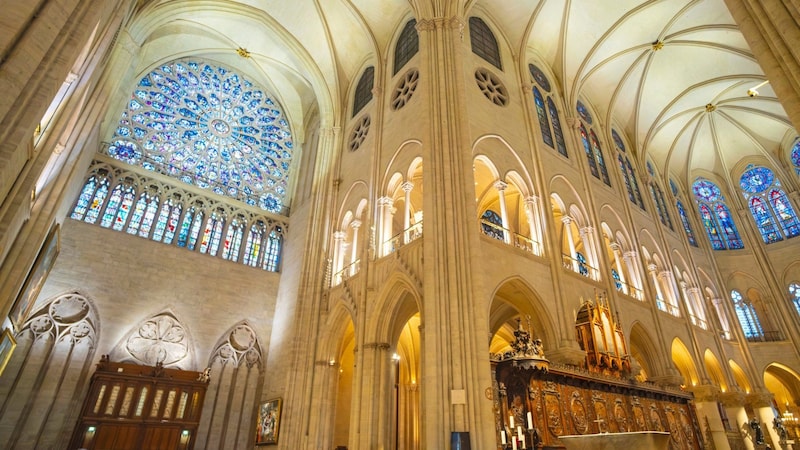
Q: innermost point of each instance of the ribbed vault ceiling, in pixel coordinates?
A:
(671, 75)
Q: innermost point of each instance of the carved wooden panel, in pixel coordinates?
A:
(564, 403)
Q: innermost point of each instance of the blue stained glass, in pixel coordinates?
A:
(138, 213)
(650, 169)
(583, 268)
(492, 225)
(796, 156)
(748, 319)
(617, 140)
(730, 233)
(687, 226)
(706, 190)
(86, 196)
(673, 187)
(634, 183)
(273, 251)
(623, 169)
(583, 112)
(544, 124)
(185, 106)
(539, 77)
(711, 228)
(617, 281)
(559, 135)
(756, 180)
(794, 292)
(97, 202)
(149, 216)
(589, 153)
(598, 155)
(770, 207)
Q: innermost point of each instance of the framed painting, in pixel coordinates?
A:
(36, 278)
(268, 422)
(7, 346)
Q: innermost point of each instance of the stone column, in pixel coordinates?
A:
(762, 406)
(338, 255)
(532, 214)
(566, 220)
(587, 236)
(615, 248)
(407, 187)
(501, 189)
(385, 216)
(722, 316)
(733, 402)
(631, 258)
(355, 225)
(651, 269)
(706, 398)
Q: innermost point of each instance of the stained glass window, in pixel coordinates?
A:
(210, 127)
(583, 112)
(178, 219)
(539, 77)
(794, 293)
(544, 124)
(364, 90)
(747, 316)
(624, 171)
(673, 187)
(583, 268)
(796, 156)
(769, 205)
(492, 225)
(687, 226)
(618, 141)
(617, 280)
(716, 216)
(551, 108)
(634, 183)
(598, 156)
(661, 204)
(546, 109)
(483, 42)
(589, 153)
(407, 45)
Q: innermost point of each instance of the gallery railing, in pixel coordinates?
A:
(407, 236)
(628, 289)
(517, 240)
(347, 272)
(579, 267)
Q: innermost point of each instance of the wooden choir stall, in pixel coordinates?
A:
(599, 406)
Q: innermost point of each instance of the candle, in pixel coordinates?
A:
(511, 422)
(514, 443)
(530, 421)
(522, 440)
(519, 432)
(503, 437)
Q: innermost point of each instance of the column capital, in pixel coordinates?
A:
(615, 247)
(566, 220)
(356, 224)
(761, 399)
(339, 235)
(732, 399)
(407, 186)
(500, 185)
(455, 23)
(386, 201)
(706, 393)
(531, 200)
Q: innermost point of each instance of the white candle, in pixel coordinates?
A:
(511, 422)
(522, 439)
(519, 432)
(530, 421)
(514, 443)
(503, 437)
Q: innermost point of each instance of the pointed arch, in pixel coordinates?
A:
(714, 370)
(684, 362)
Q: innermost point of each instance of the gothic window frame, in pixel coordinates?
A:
(716, 218)
(747, 316)
(363, 92)
(407, 46)
(493, 218)
(794, 293)
(483, 42)
(769, 206)
(591, 144)
(627, 171)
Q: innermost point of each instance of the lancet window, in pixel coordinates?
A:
(483, 42)
(716, 216)
(407, 45)
(658, 197)
(546, 112)
(591, 145)
(626, 169)
(769, 205)
(795, 156)
(794, 293)
(746, 313)
(364, 90)
(129, 202)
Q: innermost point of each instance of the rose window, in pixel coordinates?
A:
(209, 127)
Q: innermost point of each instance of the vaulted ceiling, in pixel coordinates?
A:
(672, 76)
